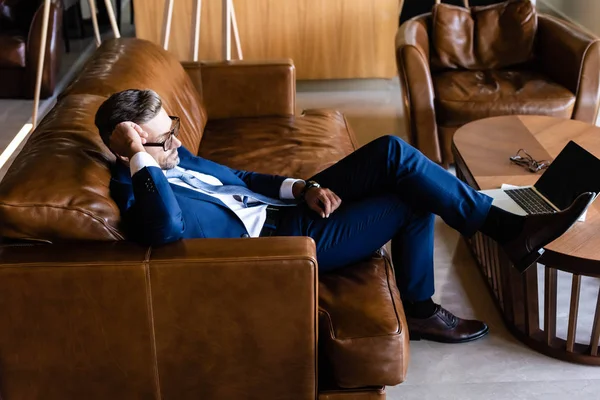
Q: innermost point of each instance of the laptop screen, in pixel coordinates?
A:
(572, 172)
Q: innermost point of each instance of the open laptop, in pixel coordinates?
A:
(574, 171)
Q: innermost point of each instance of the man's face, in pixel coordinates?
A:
(158, 131)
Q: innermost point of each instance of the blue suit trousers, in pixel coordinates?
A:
(389, 191)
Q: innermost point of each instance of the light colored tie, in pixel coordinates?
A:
(232, 190)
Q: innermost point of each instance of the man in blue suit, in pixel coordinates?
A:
(386, 190)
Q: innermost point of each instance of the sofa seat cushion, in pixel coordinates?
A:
(297, 146)
(465, 96)
(362, 328)
(12, 51)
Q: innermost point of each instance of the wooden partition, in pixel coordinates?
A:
(327, 39)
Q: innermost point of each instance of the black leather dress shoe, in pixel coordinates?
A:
(541, 229)
(445, 327)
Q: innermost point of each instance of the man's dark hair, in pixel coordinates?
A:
(134, 105)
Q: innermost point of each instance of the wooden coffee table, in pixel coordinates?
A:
(482, 150)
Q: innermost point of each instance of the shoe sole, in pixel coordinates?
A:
(524, 263)
(441, 339)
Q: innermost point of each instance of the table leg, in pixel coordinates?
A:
(196, 28)
(92, 4)
(226, 17)
(168, 16)
(111, 18)
(236, 33)
(40, 66)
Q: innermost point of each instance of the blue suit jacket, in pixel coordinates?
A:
(155, 212)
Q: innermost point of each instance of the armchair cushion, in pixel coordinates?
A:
(464, 96)
(12, 51)
(485, 37)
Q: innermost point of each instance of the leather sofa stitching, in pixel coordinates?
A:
(351, 136)
(429, 80)
(42, 264)
(398, 321)
(404, 76)
(334, 337)
(233, 259)
(583, 61)
(486, 102)
(152, 325)
(350, 339)
(316, 325)
(328, 316)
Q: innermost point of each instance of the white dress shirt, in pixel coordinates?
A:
(253, 218)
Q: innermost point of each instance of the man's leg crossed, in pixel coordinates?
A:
(390, 165)
(358, 228)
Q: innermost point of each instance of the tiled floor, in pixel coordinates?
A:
(497, 367)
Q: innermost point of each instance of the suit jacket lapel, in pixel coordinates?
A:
(204, 166)
(122, 176)
(182, 191)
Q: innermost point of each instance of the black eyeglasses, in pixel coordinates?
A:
(523, 159)
(166, 145)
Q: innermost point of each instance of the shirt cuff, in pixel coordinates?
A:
(286, 192)
(141, 160)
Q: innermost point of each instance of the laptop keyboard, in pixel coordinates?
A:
(529, 201)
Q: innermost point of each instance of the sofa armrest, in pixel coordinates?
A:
(53, 48)
(233, 89)
(412, 57)
(207, 318)
(245, 312)
(571, 57)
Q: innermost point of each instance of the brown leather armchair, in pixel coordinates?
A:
(20, 34)
(561, 80)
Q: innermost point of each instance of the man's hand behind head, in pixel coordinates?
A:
(127, 139)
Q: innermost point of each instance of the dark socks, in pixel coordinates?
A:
(502, 225)
(419, 309)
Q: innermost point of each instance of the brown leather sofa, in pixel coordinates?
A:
(560, 80)
(20, 35)
(89, 315)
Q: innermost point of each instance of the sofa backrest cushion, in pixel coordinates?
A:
(57, 188)
(121, 64)
(485, 37)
